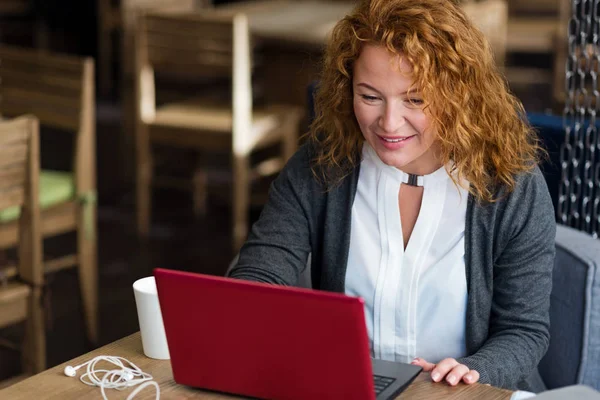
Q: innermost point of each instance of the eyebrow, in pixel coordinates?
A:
(365, 85)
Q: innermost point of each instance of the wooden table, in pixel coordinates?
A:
(306, 23)
(53, 384)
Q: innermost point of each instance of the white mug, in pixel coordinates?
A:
(154, 340)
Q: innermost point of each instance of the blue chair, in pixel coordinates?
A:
(574, 353)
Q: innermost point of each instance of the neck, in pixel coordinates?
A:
(420, 171)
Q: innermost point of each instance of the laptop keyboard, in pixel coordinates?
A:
(381, 383)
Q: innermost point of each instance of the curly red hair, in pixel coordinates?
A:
(478, 122)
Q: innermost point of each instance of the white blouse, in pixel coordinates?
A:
(415, 299)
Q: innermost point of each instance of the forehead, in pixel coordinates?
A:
(377, 62)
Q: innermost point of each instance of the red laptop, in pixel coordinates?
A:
(271, 342)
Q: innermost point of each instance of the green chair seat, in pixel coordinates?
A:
(55, 187)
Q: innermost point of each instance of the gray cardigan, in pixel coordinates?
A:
(509, 256)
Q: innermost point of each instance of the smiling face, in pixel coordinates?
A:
(391, 119)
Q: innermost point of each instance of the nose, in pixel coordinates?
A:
(392, 118)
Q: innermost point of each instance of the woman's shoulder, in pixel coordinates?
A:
(529, 194)
(526, 211)
(529, 185)
(528, 202)
(303, 168)
(299, 166)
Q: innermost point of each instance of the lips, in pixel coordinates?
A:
(394, 143)
(395, 139)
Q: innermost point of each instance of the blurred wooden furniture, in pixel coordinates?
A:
(532, 28)
(216, 53)
(539, 7)
(491, 17)
(560, 41)
(59, 91)
(117, 19)
(302, 24)
(21, 288)
(52, 384)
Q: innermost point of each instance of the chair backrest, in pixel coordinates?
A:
(190, 45)
(130, 12)
(574, 353)
(51, 87)
(59, 90)
(19, 186)
(196, 47)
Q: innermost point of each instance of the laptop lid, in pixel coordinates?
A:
(264, 341)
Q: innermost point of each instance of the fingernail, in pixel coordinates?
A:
(469, 378)
(435, 376)
(451, 379)
(416, 360)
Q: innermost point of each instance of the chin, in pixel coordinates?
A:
(392, 159)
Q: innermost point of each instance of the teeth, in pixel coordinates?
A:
(395, 140)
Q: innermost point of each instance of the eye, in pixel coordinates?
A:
(415, 103)
(368, 98)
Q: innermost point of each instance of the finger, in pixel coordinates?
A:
(456, 374)
(427, 366)
(442, 368)
(471, 377)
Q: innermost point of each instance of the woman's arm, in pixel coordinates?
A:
(278, 246)
(522, 281)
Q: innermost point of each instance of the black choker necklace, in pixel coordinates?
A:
(414, 180)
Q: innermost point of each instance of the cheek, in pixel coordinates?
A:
(363, 114)
(424, 126)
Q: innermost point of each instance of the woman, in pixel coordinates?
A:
(418, 190)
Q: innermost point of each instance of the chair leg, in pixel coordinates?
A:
(88, 272)
(34, 344)
(144, 190)
(241, 198)
(199, 183)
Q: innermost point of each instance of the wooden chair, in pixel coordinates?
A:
(59, 91)
(21, 289)
(119, 18)
(207, 48)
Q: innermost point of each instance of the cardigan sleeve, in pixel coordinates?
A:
(518, 335)
(278, 245)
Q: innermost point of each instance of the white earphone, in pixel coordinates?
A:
(127, 375)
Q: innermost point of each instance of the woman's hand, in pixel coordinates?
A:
(448, 369)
